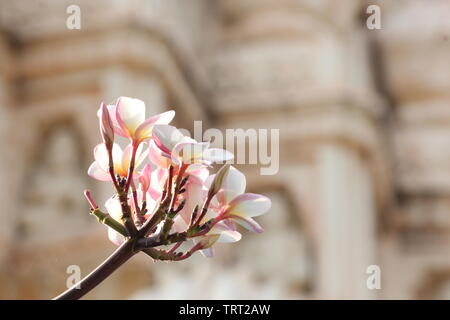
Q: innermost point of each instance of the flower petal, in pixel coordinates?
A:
(115, 237)
(226, 234)
(141, 154)
(114, 208)
(249, 205)
(166, 137)
(247, 223)
(156, 156)
(112, 113)
(139, 158)
(233, 185)
(144, 131)
(194, 195)
(190, 152)
(102, 158)
(229, 236)
(96, 172)
(145, 177)
(130, 113)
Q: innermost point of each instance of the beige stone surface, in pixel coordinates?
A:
(363, 116)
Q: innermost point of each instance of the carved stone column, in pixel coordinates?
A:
(302, 67)
(415, 45)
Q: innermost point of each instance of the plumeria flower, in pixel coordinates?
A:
(128, 118)
(99, 169)
(228, 206)
(180, 149)
(231, 203)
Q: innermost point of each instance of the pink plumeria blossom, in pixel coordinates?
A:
(99, 169)
(128, 118)
(231, 203)
(180, 149)
(172, 201)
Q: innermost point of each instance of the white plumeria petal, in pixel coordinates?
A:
(190, 152)
(114, 208)
(194, 195)
(150, 205)
(126, 158)
(102, 157)
(96, 172)
(141, 155)
(112, 113)
(144, 131)
(166, 137)
(247, 223)
(130, 113)
(229, 236)
(115, 237)
(156, 156)
(233, 185)
(226, 233)
(249, 205)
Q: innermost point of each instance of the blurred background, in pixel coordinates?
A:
(364, 150)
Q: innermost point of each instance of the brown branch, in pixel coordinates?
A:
(103, 271)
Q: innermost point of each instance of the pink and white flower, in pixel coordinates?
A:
(128, 118)
(99, 169)
(231, 203)
(181, 149)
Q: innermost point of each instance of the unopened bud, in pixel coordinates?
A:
(89, 198)
(106, 126)
(218, 180)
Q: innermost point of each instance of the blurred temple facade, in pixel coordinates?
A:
(364, 119)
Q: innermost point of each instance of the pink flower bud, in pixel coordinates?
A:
(218, 180)
(106, 126)
(89, 198)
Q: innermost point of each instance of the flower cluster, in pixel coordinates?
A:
(166, 199)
